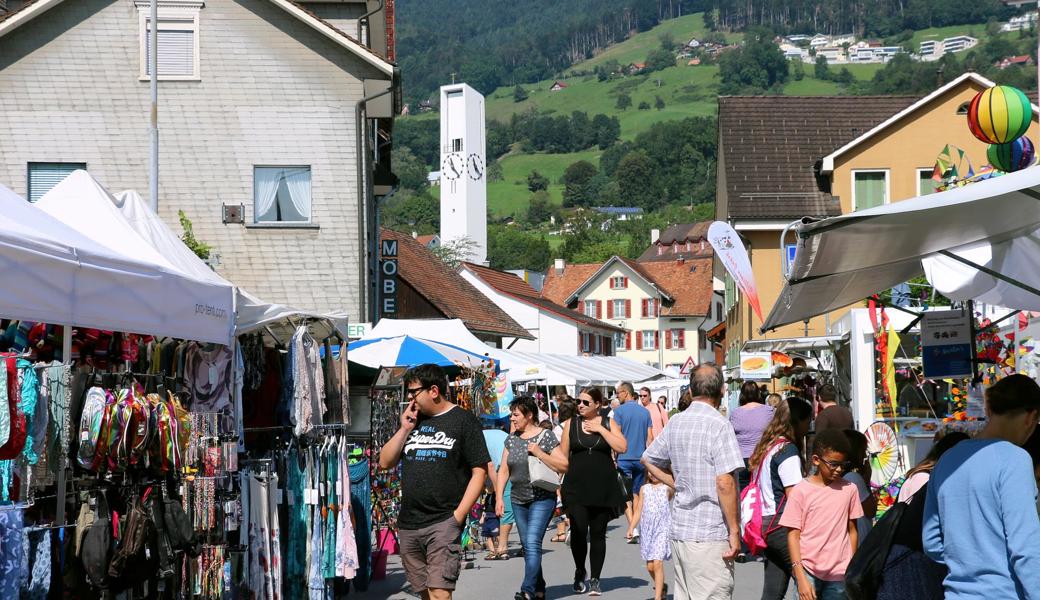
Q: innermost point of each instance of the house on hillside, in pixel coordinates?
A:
(1021, 22)
(693, 43)
(617, 213)
(1024, 60)
(833, 54)
(664, 307)
(430, 241)
(429, 289)
(693, 62)
(874, 150)
(556, 329)
(685, 241)
(636, 67)
(557, 86)
(261, 108)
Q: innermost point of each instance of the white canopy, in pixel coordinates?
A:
(993, 224)
(253, 313)
(550, 369)
(54, 274)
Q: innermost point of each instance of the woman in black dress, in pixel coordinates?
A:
(590, 491)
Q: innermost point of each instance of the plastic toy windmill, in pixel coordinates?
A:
(883, 452)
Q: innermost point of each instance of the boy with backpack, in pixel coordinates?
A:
(821, 518)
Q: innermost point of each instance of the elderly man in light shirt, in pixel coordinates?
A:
(697, 456)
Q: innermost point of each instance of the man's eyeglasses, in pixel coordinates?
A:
(844, 466)
(585, 402)
(413, 392)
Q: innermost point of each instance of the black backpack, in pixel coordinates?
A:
(863, 576)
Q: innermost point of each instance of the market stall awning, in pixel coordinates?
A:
(54, 274)
(801, 344)
(991, 224)
(408, 351)
(252, 312)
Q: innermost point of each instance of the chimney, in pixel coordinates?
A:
(415, 234)
(681, 260)
(559, 263)
(655, 234)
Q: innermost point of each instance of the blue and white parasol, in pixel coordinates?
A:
(408, 351)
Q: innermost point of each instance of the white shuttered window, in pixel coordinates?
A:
(44, 176)
(178, 40)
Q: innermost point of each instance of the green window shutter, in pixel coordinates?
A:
(870, 189)
(44, 176)
(925, 183)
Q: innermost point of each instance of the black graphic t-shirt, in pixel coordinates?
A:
(436, 464)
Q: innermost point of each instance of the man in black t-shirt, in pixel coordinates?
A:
(443, 467)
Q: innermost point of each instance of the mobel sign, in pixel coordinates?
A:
(388, 277)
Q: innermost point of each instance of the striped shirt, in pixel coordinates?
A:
(698, 445)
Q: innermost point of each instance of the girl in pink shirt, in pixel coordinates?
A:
(821, 518)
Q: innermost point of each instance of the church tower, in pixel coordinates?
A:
(463, 169)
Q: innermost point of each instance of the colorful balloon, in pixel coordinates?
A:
(1011, 157)
(999, 115)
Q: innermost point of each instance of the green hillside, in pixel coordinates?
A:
(635, 48)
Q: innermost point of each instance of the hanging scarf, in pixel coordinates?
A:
(30, 395)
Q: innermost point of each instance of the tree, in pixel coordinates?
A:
(623, 101)
(606, 130)
(494, 170)
(821, 70)
(539, 208)
(454, 252)
(799, 70)
(659, 103)
(660, 59)
(201, 249)
(637, 181)
(410, 169)
(576, 180)
(409, 211)
(667, 41)
(644, 105)
(537, 182)
(510, 248)
(519, 93)
(755, 68)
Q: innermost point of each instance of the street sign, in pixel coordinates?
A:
(687, 366)
(388, 279)
(946, 344)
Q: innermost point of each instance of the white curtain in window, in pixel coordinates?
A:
(265, 182)
(298, 181)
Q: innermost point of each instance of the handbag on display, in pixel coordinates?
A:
(540, 474)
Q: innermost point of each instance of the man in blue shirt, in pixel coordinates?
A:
(637, 427)
(980, 515)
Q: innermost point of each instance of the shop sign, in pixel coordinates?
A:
(388, 279)
(756, 365)
(946, 344)
(356, 331)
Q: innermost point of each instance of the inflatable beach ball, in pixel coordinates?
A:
(1013, 156)
(999, 115)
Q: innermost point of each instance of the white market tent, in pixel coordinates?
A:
(54, 274)
(547, 369)
(252, 312)
(978, 242)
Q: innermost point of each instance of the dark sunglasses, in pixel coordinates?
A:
(644, 395)
(585, 402)
(834, 466)
(413, 392)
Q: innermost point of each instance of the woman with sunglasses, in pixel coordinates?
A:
(591, 492)
(532, 506)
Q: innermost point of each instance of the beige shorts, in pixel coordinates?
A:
(432, 556)
(700, 571)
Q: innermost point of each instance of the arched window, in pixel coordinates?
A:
(963, 108)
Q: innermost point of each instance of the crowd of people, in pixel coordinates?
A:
(705, 491)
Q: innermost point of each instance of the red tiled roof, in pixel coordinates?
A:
(559, 286)
(688, 283)
(511, 285)
(448, 291)
(426, 239)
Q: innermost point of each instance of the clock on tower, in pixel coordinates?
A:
(463, 169)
